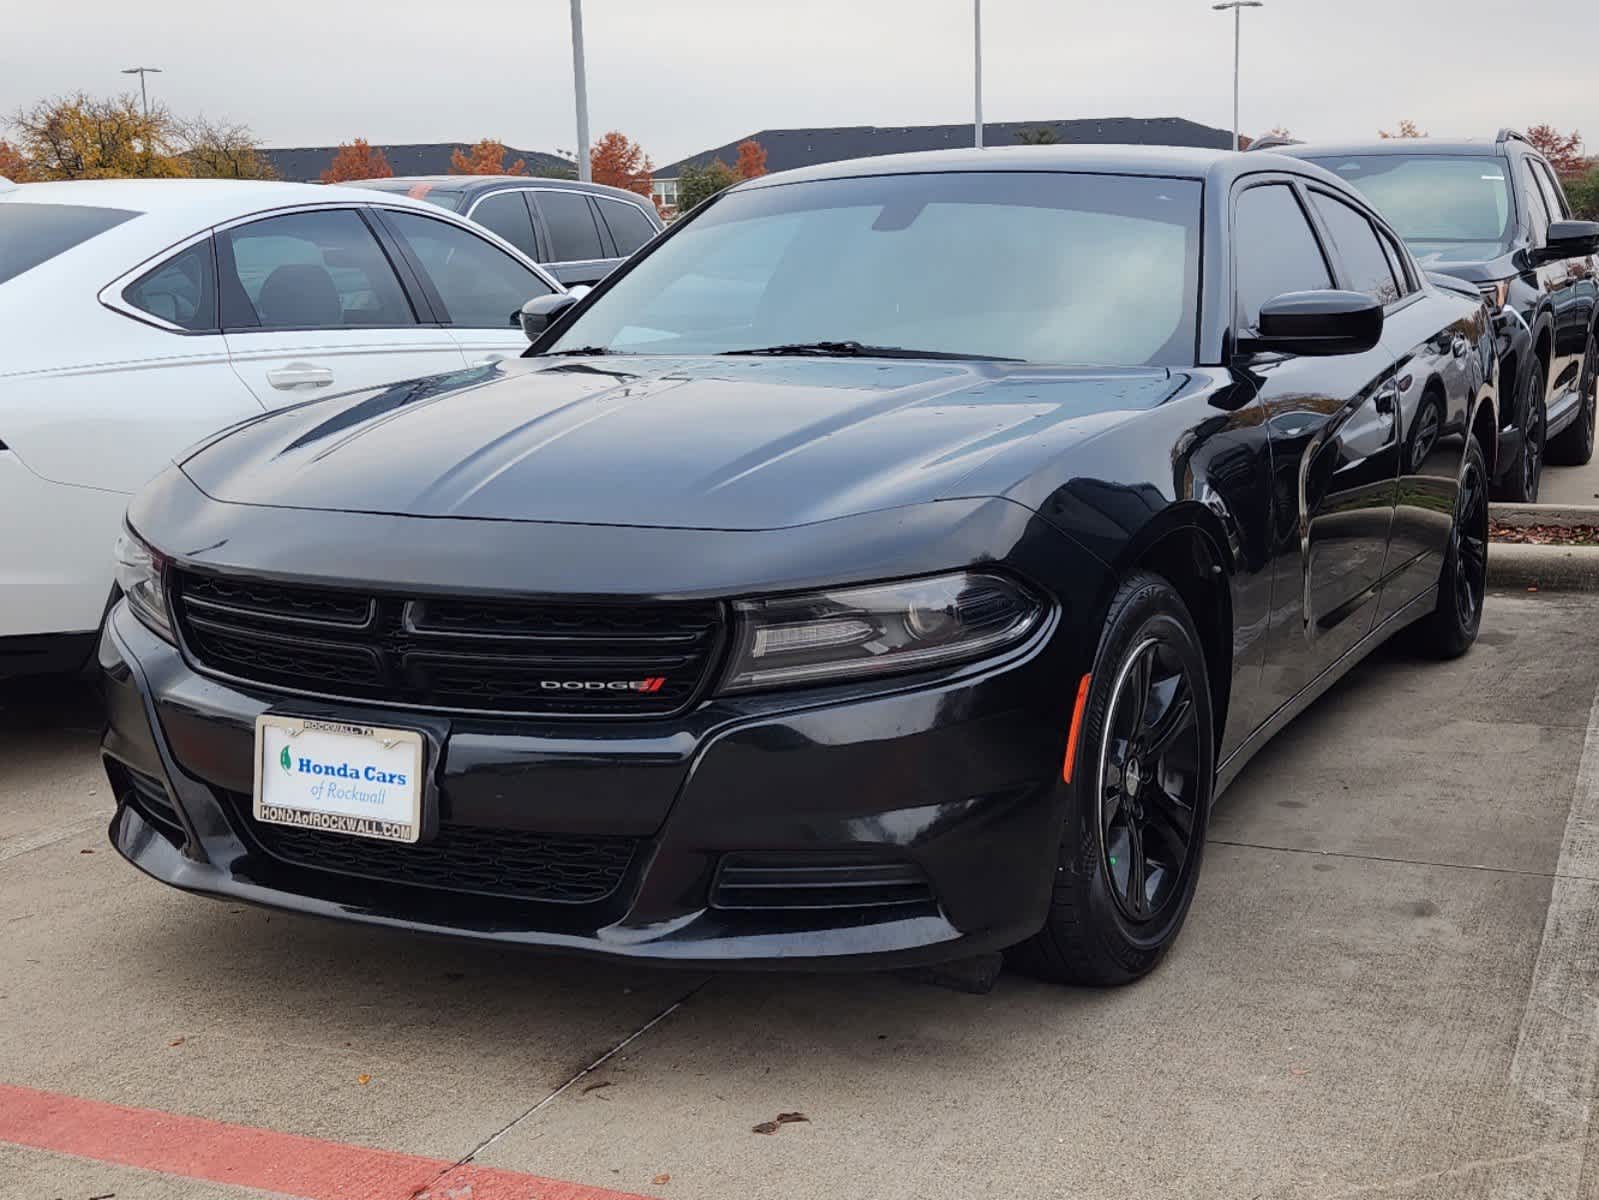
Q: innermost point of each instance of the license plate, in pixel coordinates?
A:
(327, 775)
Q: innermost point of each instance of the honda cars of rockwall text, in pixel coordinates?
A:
(889, 563)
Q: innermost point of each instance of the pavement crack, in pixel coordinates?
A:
(1401, 862)
(1457, 1171)
(422, 1193)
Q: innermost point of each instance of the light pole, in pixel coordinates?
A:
(977, 69)
(585, 169)
(1238, 7)
(141, 72)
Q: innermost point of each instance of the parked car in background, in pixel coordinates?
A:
(142, 315)
(1493, 213)
(579, 231)
(910, 600)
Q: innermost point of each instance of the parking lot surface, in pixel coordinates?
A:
(1386, 989)
(1571, 485)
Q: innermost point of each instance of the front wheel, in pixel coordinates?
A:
(1574, 446)
(1138, 803)
(1522, 484)
(1452, 626)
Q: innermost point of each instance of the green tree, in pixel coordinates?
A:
(1042, 136)
(1583, 192)
(698, 184)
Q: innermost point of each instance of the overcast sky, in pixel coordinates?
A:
(686, 75)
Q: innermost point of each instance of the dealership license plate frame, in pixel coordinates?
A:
(415, 828)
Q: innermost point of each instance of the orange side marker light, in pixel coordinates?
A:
(1077, 728)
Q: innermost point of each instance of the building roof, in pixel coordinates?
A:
(305, 164)
(787, 149)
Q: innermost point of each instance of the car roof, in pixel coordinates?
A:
(473, 184)
(1478, 147)
(201, 202)
(1165, 161)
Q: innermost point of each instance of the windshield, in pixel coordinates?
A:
(1042, 267)
(1445, 206)
(34, 233)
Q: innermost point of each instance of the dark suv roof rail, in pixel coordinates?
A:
(1274, 142)
(1506, 135)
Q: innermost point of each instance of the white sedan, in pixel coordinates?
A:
(138, 316)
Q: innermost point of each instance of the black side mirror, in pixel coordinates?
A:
(1315, 323)
(1570, 239)
(539, 313)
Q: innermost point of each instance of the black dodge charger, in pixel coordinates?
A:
(890, 564)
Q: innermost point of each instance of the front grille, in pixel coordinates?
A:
(772, 882)
(529, 658)
(549, 868)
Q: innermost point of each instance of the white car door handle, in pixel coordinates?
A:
(299, 374)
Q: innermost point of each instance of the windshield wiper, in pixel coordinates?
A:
(860, 350)
(579, 352)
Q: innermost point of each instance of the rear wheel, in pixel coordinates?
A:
(1521, 485)
(1139, 799)
(1451, 628)
(1574, 446)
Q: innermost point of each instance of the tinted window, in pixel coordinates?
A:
(1538, 215)
(629, 227)
(181, 290)
(506, 214)
(1440, 204)
(573, 234)
(1396, 261)
(33, 233)
(1553, 196)
(312, 270)
(482, 286)
(1060, 268)
(1275, 251)
(1366, 267)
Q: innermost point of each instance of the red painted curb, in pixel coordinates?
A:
(287, 1163)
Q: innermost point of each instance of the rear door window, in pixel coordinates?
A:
(629, 227)
(31, 234)
(570, 223)
(1553, 196)
(308, 270)
(1366, 267)
(180, 291)
(506, 214)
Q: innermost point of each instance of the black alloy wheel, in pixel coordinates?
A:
(1137, 804)
(1451, 628)
(1148, 786)
(1523, 487)
(1574, 446)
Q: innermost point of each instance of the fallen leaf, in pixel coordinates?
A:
(765, 1127)
(661, 1179)
(1299, 1072)
(791, 1118)
(363, 1080)
(594, 1087)
(85, 851)
(177, 1041)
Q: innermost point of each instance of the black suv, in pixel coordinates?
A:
(1493, 213)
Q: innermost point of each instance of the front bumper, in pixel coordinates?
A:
(954, 782)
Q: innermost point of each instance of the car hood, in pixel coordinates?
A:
(730, 443)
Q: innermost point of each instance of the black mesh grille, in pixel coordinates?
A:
(495, 656)
(552, 869)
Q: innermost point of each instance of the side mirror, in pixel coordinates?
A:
(539, 313)
(579, 290)
(1570, 239)
(1319, 324)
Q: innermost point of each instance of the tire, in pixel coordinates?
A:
(1452, 626)
(1130, 798)
(1522, 483)
(1574, 446)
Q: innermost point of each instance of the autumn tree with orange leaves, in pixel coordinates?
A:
(1564, 151)
(619, 161)
(1407, 129)
(357, 160)
(751, 159)
(14, 165)
(486, 158)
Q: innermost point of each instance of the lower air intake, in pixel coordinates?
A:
(776, 882)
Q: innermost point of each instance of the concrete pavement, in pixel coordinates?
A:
(1570, 485)
(1385, 989)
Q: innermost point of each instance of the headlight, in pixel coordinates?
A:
(1497, 293)
(140, 575)
(870, 631)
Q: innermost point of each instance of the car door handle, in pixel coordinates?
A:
(299, 375)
